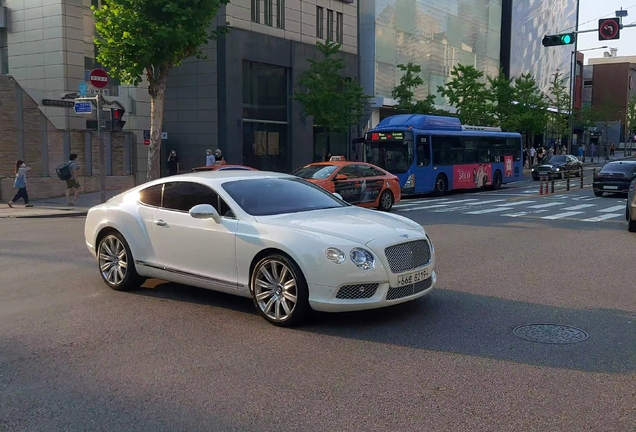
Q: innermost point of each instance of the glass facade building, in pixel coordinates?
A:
(531, 21)
(435, 34)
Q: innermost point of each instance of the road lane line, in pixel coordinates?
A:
(423, 207)
(483, 202)
(514, 203)
(561, 215)
(491, 210)
(546, 205)
(579, 207)
(603, 217)
(612, 209)
(518, 214)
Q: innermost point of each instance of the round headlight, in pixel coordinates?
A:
(335, 255)
(362, 258)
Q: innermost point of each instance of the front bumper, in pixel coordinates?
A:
(324, 298)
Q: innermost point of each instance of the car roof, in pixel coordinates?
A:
(337, 163)
(628, 162)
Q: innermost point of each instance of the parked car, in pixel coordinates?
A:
(224, 167)
(358, 183)
(288, 244)
(557, 166)
(614, 177)
(630, 210)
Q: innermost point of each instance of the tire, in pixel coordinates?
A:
(441, 185)
(497, 180)
(272, 300)
(116, 264)
(598, 193)
(386, 201)
(631, 224)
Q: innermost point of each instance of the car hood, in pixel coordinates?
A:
(549, 166)
(352, 223)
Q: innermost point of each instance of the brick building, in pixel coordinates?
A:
(29, 135)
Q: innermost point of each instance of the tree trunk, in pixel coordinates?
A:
(157, 96)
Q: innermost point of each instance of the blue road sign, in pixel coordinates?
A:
(83, 88)
(83, 107)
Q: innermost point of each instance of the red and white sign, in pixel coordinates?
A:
(508, 166)
(146, 142)
(98, 78)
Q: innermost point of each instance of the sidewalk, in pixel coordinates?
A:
(54, 207)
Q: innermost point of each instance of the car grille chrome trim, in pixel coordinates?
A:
(358, 291)
(409, 290)
(409, 255)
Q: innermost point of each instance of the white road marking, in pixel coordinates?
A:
(484, 202)
(514, 203)
(612, 209)
(579, 207)
(603, 217)
(561, 215)
(518, 214)
(423, 207)
(461, 201)
(419, 202)
(546, 205)
(491, 210)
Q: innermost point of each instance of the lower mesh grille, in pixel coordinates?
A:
(409, 290)
(360, 291)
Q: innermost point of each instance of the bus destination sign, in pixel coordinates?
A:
(385, 136)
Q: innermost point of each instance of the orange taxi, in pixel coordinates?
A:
(358, 183)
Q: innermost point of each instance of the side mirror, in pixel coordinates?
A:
(340, 177)
(205, 211)
(337, 195)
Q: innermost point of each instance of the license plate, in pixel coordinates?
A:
(610, 187)
(543, 173)
(412, 278)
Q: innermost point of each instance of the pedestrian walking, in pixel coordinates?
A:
(72, 184)
(592, 151)
(581, 153)
(209, 158)
(612, 149)
(533, 155)
(218, 155)
(173, 163)
(20, 183)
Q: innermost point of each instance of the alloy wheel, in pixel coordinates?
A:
(275, 290)
(113, 260)
(387, 200)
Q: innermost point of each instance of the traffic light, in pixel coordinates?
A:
(118, 123)
(609, 29)
(556, 40)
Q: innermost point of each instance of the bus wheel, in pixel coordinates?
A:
(441, 185)
(496, 181)
(386, 201)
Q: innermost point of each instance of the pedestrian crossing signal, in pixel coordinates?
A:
(558, 40)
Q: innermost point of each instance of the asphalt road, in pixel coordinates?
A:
(76, 356)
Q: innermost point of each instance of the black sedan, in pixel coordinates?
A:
(615, 177)
(557, 166)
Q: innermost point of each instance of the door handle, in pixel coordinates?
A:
(161, 222)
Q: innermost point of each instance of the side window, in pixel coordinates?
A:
(151, 195)
(225, 210)
(423, 151)
(182, 196)
(447, 150)
(350, 171)
(368, 171)
(470, 150)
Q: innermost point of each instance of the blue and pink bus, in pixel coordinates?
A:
(436, 154)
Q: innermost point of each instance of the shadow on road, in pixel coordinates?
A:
(462, 323)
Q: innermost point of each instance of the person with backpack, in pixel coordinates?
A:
(20, 184)
(68, 173)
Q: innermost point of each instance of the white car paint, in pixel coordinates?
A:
(218, 256)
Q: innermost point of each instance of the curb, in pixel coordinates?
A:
(47, 216)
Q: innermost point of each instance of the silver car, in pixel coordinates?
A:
(630, 209)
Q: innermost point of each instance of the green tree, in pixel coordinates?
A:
(559, 99)
(334, 101)
(404, 92)
(467, 92)
(531, 115)
(503, 96)
(150, 37)
(631, 117)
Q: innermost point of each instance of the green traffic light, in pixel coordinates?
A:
(566, 39)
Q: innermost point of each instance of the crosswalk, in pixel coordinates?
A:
(583, 208)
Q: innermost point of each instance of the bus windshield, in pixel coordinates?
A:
(393, 156)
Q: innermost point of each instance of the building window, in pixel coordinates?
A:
(280, 14)
(320, 18)
(268, 12)
(95, 4)
(265, 119)
(339, 27)
(4, 61)
(256, 11)
(329, 24)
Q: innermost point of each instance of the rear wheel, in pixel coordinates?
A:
(631, 224)
(598, 193)
(116, 264)
(441, 185)
(497, 180)
(386, 201)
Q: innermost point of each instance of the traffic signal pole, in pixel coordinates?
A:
(98, 101)
(573, 64)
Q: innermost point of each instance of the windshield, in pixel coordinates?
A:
(315, 171)
(274, 196)
(394, 156)
(618, 168)
(556, 159)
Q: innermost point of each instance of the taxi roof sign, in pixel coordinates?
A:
(337, 159)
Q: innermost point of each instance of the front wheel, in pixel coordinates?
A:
(441, 185)
(598, 193)
(116, 264)
(386, 201)
(279, 291)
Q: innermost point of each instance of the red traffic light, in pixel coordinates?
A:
(118, 114)
(609, 29)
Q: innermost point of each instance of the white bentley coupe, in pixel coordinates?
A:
(289, 245)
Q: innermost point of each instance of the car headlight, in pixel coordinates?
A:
(534, 169)
(557, 169)
(362, 258)
(335, 255)
(430, 242)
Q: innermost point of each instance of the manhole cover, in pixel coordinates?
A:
(550, 333)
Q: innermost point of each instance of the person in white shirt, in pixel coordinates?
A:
(533, 153)
(209, 158)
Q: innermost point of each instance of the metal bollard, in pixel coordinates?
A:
(582, 171)
(552, 184)
(567, 180)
